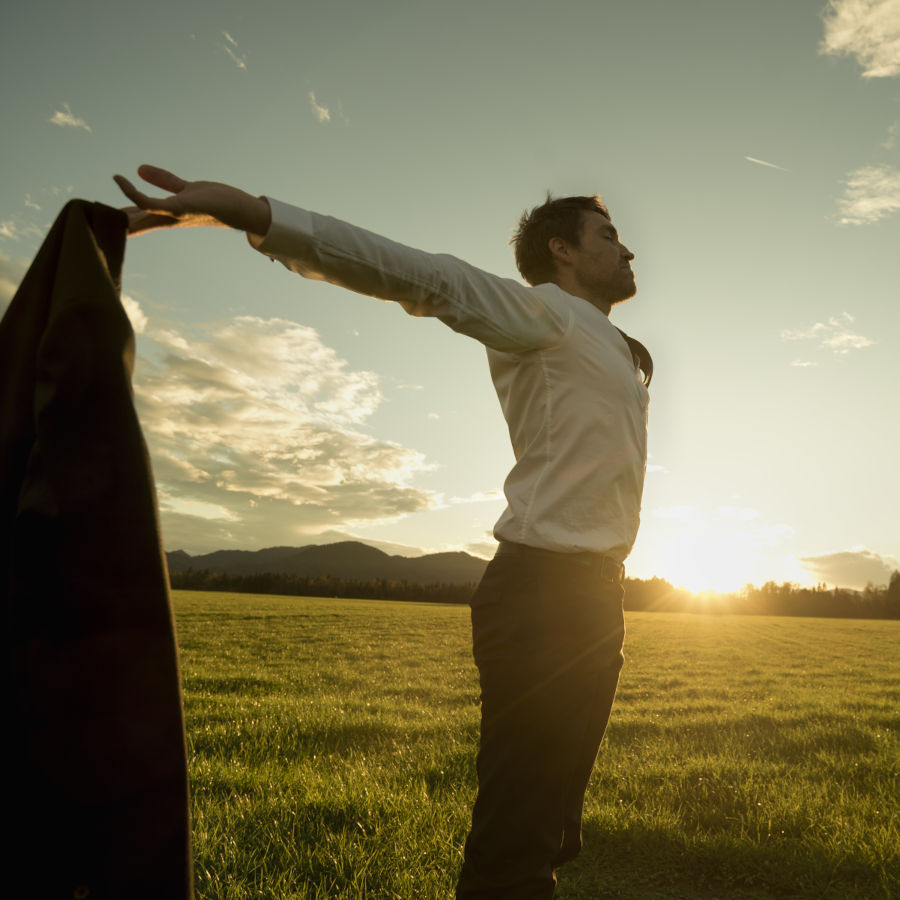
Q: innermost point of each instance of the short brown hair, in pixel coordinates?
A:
(559, 217)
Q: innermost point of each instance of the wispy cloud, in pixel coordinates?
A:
(231, 48)
(257, 435)
(322, 113)
(870, 194)
(834, 335)
(66, 118)
(135, 314)
(11, 272)
(485, 549)
(762, 162)
(25, 225)
(735, 517)
(739, 513)
(679, 513)
(851, 568)
(16, 229)
(479, 497)
(891, 140)
(866, 29)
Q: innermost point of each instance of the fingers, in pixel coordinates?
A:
(128, 189)
(131, 192)
(138, 198)
(162, 178)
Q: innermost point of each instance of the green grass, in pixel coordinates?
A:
(332, 750)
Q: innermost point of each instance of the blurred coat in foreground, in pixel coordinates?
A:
(98, 797)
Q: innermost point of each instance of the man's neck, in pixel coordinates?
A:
(571, 286)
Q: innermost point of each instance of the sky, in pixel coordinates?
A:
(749, 154)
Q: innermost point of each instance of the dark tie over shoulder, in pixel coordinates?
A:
(641, 354)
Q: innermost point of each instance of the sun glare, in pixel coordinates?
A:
(716, 578)
(721, 565)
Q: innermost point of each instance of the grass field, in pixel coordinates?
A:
(332, 747)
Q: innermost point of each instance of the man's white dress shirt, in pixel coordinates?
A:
(570, 390)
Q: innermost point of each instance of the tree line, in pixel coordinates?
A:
(651, 594)
(787, 599)
(321, 586)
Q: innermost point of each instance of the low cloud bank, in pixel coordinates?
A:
(851, 568)
(257, 434)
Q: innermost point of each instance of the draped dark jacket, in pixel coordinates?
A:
(98, 798)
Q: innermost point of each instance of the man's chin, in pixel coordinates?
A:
(625, 295)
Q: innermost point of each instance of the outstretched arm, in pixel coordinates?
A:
(191, 204)
(499, 312)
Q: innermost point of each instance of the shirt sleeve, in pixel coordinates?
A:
(499, 312)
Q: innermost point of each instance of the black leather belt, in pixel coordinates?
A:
(606, 567)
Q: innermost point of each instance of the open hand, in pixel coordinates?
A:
(191, 204)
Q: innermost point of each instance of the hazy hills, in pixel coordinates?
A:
(351, 560)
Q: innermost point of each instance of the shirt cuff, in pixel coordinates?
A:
(289, 225)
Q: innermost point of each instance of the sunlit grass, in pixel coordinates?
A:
(333, 743)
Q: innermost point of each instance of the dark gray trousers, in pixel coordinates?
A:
(547, 639)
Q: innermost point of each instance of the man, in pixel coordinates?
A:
(547, 618)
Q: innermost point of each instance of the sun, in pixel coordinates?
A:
(717, 563)
(717, 576)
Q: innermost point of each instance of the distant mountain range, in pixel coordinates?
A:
(348, 559)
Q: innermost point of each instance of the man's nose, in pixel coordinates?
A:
(627, 253)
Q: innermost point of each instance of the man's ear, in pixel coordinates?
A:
(559, 249)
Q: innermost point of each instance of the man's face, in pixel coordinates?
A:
(601, 263)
